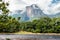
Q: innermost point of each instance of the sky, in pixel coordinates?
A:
(48, 6)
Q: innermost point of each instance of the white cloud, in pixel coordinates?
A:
(15, 4)
(0, 11)
(55, 8)
(43, 4)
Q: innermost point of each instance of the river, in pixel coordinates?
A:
(30, 36)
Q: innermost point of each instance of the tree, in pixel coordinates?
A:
(19, 18)
(7, 23)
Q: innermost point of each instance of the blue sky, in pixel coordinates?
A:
(48, 6)
(55, 1)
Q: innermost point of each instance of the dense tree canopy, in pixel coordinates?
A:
(9, 24)
(43, 25)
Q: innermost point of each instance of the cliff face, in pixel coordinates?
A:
(34, 12)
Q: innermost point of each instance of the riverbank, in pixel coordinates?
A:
(24, 32)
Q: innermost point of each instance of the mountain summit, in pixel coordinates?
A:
(30, 13)
(34, 12)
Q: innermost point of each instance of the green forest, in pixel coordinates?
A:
(8, 24)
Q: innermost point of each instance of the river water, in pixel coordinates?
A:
(31, 36)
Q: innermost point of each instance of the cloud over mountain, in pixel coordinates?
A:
(48, 6)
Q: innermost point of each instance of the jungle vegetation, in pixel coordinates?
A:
(8, 24)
